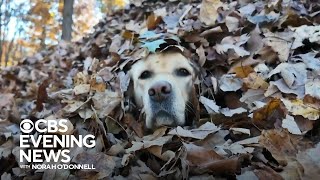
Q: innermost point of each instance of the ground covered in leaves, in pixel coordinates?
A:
(258, 88)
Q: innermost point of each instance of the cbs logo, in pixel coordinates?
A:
(43, 126)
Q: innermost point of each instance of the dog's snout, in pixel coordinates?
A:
(160, 90)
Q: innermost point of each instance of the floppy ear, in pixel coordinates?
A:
(192, 115)
(129, 94)
(196, 68)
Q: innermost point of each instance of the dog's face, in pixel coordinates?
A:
(163, 85)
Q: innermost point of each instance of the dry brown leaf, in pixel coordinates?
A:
(242, 71)
(105, 102)
(132, 123)
(265, 117)
(153, 21)
(97, 84)
(310, 162)
(266, 173)
(104, 165)
(203, 160)
(42, 95)
(282, 145)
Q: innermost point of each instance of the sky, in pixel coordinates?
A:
(15, 22)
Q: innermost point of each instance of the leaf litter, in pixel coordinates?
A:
(258, 90)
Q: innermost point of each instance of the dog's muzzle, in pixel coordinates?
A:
(160, 91)
(161, 101)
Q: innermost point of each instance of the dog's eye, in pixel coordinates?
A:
(145, 75)
(182, 72)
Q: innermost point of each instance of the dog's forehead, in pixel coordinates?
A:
(162, 62)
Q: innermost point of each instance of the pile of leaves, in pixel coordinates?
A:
(258, 88)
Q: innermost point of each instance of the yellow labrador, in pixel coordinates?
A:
(163, 86)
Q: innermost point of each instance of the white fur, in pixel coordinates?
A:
(163, 66)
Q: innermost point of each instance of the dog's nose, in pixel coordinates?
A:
(160, 90)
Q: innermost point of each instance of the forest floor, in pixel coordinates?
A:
(258, 90)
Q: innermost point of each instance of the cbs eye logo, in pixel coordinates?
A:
(42, 126)
(26, 126)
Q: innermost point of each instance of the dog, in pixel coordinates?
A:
(163, 87)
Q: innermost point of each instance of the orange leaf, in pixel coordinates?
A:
(266, 117)
(153, 21)
(243, 71)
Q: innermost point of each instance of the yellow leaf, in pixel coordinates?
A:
(254, 81)
(209, 11)
(297, 107)
(120, 3)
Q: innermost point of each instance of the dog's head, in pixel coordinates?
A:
(163, 85)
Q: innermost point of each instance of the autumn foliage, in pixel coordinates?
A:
(258, 89)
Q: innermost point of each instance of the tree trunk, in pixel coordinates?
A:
(67, 19)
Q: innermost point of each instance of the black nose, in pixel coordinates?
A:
(160, 90)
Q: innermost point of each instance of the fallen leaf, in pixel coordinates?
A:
(282, 145)
(232, 23)
(6, 149)
(230, 112)
(104, 165)
(280, 43)
(209, 104)
(223, 48)
(311, 33)
(153, 21)
(42, 95)
(105, 102)
(73, 106)
(281, 85)
(247, 175)
(235, 148)
(228, 82)
(295, 75)
(240, 130)
(6, 100)
(202, 56)
(153, 45)
(203, 160)
(297, 107)
(312, 88)
(259, 19)
(198, 133)
(247, 10)
(132, 123)
(255, 81)
(310, 60)
(81, 89)
(291, 125)
(242, 71)
(146, 143)
(209, 11)
(85, 113)
(266, 117)
(310, 162)
(264, 172)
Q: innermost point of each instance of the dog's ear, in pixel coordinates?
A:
(192, 115)
(196, 68)
(129, 94)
